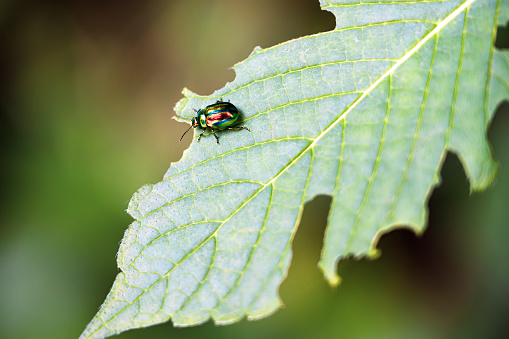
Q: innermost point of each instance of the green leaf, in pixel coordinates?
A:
(364, 113)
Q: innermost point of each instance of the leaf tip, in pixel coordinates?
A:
(182, 103)
(334, 280)
(487, 178)
(256, 50)
(137, 198)
(187, 92)
(374, 253)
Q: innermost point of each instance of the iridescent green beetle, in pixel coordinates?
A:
(220, 116)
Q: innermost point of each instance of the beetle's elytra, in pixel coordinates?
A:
(219, 116)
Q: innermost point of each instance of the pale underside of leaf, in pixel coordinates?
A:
(364, 113)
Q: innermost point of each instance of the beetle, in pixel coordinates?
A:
(219, 116)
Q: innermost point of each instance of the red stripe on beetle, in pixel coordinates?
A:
(218, 117)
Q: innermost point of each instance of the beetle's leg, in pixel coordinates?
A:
(240, 127)
(201, 135)
(217, 138)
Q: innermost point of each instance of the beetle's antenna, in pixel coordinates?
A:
(180, 116)
(189, 126)
(185, 132)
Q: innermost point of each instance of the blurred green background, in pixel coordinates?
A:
(86, 95)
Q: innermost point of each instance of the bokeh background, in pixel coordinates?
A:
(86, 95)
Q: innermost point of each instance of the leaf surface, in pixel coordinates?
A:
(364, 113)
